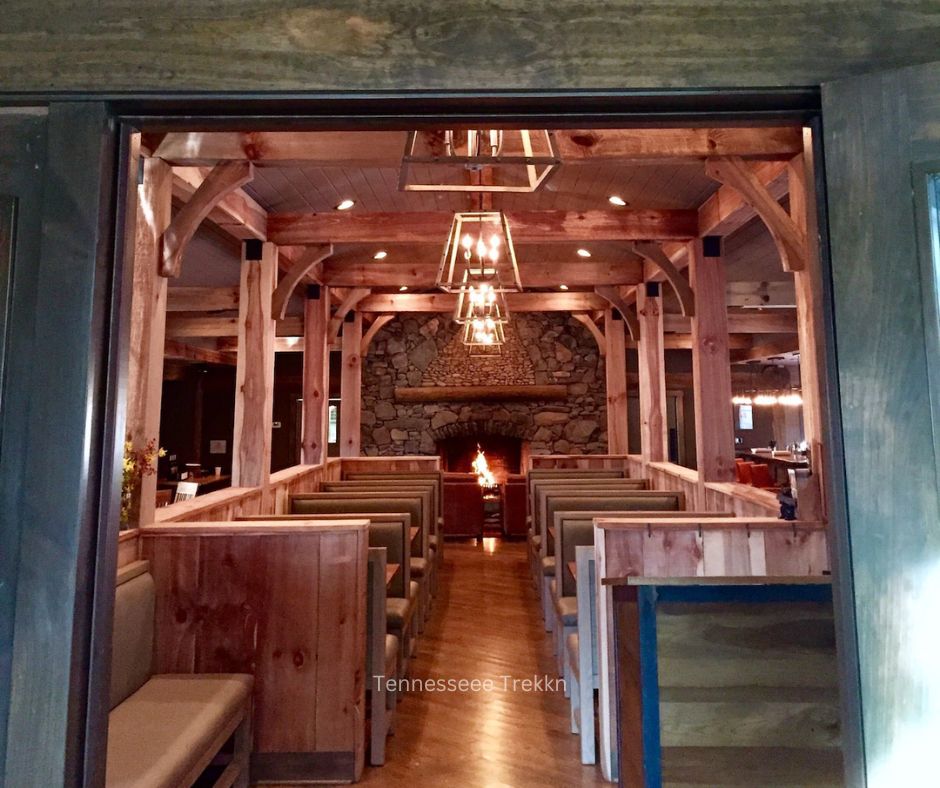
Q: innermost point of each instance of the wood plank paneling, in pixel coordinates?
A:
(285, 602)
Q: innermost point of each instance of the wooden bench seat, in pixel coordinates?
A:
(164, 730)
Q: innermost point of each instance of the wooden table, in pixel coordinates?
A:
(206, 483)
(390, 571)
(573, 568)
(414, 533)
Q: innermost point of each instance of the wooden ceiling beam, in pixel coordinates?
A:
(789, 239)
(236, 214)
(385, 149)
(653, 253)
(588, 273)
(518, 302)
(771, 321)
(307, 267)
(202, 299)
(614, 297)
(765, 351)
(587, 321)
(222, 180)
(185, 326)
(377, 325)
(182, 352)
(294, 229)
(348, 304)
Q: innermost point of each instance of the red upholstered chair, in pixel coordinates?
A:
(744, 472)
(761, 477)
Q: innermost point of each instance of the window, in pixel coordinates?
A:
(927, 194)
(332, 420)
(745, 417)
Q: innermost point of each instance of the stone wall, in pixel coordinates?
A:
(426, 350)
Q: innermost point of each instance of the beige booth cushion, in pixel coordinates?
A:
(566, 608)
(132, 643)
(159, 733)
(419, 567)
(398, 612)
(548, 566)
(391, 655)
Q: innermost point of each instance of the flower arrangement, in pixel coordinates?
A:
(138, 463)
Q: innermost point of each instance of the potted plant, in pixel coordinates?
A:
(138, 463)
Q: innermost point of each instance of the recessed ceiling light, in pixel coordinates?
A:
(345, 205)
(403, 288)
(380, 255)
(583, 253)
(562, 287)
(615, 200)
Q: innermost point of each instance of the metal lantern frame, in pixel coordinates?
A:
(456, 271)
(538, 168)
(479, 347)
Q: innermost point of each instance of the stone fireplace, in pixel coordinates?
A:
(457, 449)
(543, 351)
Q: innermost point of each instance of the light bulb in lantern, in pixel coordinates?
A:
(467, 241)
(494, 241)
(765, 399)
(494, 254)
(481, 248)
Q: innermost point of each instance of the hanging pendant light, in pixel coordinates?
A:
(520, 160)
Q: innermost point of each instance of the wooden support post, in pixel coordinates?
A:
(148, 325)
(316, 374)
(652, 374)
(810, 328)
(351, 386)
(616, 383)
(254, 376)
(711, 364)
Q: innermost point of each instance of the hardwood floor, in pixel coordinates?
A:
(485, 625)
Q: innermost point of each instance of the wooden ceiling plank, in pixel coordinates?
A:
(291, 229)
(765, 351)
(223, 179)
(307, 267)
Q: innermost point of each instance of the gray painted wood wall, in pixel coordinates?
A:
(458, 44)
(878, 129)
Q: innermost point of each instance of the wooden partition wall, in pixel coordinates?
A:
(677, 547)
(285, 602)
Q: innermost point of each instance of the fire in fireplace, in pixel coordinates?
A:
(503, 454)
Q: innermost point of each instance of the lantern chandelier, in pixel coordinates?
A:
(519, 160)
(479, 265)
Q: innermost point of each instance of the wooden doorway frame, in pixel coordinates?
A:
(120, 116)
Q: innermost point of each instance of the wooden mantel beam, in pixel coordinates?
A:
(385, 149)
(518, 302)
(423, 274)
(296, 229)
